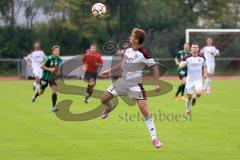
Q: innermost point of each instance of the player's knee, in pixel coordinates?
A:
(92, 83)
(54, 91)
(103, 100)
(38, 80)
(41, 91)
(198, 94)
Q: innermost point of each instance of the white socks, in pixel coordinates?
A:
(151, 127)
(110, 105)
(34, 83)
(37, 87)
(188, 106)
(207, 83)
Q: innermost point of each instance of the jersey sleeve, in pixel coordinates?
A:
(47, 62)
(149, 62)
(84, 58)
(184, 62)
(147, 58)
(29, 57)
(202, 52)
(216, 51)
(178, 56)
(204, 62)
(100, 59)
(43, 54)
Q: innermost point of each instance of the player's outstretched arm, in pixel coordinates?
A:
(114, 68)
(156, 78)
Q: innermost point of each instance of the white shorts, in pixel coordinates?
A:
(191, 87)
(211, 68)
(37, 72)
(122, 87)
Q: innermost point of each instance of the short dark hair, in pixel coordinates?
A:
(140, 35)
(194, 43)
(55, 46)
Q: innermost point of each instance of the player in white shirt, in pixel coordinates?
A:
(209, 52)
(195, 64)
(130, 84)
(34, 59)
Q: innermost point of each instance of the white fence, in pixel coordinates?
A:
(19, 68)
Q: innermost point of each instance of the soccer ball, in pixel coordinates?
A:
(98, 10)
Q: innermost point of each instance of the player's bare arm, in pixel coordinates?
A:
(47, 68)
(176, 61)
(156, 79)
(108, 71)
(182, 64)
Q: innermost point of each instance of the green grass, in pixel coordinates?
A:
(31, 131)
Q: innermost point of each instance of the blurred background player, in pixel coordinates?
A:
(209, 52)
(195, 64)
(34, 60)
(182, 72)
(136, 58)
(93, 63)
(51, 68)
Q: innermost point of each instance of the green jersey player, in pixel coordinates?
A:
(50, 68)
(182, 72)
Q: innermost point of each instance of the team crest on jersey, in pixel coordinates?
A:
(129, 59)
(135, 56)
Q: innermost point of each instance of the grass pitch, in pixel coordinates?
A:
(31, 131)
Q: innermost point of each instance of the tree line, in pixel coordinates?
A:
(72, 25)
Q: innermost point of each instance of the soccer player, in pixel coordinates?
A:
(209, 52)
(135, 59)
(51, 68)
(93, 62)
(195, 64)
(34, 60)
(182, 72)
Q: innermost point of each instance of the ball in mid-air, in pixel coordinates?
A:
(99, 10)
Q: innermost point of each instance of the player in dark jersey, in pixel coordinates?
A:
(182, 72)
(51, 68)
(93, 62)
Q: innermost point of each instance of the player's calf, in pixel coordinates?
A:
(188, 103)
(89, 91)
(109, 106)
(54, 98)
(143, 106)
